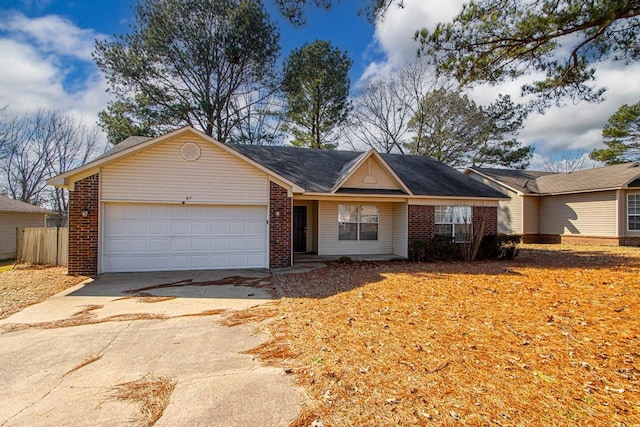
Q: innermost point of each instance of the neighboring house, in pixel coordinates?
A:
(591, 206)
(15, 214)
(185, 201)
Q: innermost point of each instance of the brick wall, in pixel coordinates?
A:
(83, 232)
(489, 215)
(280, 227)
(421, 220)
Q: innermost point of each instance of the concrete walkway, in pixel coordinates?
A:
(43, 382)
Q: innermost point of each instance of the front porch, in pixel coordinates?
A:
(376, 229)
(301, 258)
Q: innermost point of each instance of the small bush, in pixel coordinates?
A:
(499, 246)
(436, 249)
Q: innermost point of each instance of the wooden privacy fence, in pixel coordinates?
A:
(45, 245)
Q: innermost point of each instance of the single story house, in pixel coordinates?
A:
(186, 201)
(17, 215)
(591, 206)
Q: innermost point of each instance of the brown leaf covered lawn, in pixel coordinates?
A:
(551, 338)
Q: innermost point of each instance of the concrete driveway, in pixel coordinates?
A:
(63, 359)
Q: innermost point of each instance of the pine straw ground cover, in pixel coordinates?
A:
(551, 338)
(26, 285)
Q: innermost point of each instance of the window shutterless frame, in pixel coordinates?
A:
(633, 212)
(358, 222)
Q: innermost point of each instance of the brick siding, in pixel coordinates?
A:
(489, 215)
(83, 232)
(421, 219)
(280, 227)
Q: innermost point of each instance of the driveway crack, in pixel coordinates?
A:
(62, 379)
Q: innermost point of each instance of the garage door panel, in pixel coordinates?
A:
(218, 244)
(138, 227)
(159, 227)
(180, 227)
(199, 227)
(160, 212)
(256, 245)
(178, 237)
(159, 244)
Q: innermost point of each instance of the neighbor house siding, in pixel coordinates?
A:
(383, 180)
(509, 211)
(400, 244)
(161, 174)
(585, 214)
(631, 238)
(8, 223)
(530, 217)
(328, 243)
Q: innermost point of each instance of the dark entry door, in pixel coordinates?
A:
(299, 228)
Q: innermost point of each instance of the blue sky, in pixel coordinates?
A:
(46, 45)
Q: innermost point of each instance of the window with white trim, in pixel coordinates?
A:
(633, 212)
(454, 222)
(357, 222)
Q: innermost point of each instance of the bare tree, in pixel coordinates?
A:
(39, 145)
(385, 105)
(570, 161)
(259, 118)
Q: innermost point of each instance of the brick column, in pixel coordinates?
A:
(83, 232)
(489, 215)
(421, 222)
(280, 227)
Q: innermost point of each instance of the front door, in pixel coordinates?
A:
(299, 228)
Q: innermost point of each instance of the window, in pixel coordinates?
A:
(357, 222)
(453, 221)
(633, 212)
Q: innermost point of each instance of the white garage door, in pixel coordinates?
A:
(150, 237)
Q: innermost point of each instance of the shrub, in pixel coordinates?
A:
(499, 246)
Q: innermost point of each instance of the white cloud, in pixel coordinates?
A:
(51, 34)
(38, 54)
(574, 127)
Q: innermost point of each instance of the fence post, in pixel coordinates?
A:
(57, 245)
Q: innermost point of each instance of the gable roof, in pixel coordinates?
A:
(519, 180)
(316, 171)
(537, 182)
(132, 145)
(8, 204)
(319, 171)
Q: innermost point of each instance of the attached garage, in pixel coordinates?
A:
(159, 237)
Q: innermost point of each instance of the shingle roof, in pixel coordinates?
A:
(536, 182)
(8, 204)
(429, 177)
(124, 144)
(521, 180)
(320, 170)
(614, 176)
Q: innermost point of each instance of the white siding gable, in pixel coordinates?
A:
(161, 174)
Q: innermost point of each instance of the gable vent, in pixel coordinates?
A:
(190, 151)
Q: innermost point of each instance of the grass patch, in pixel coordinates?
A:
(551, 338)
